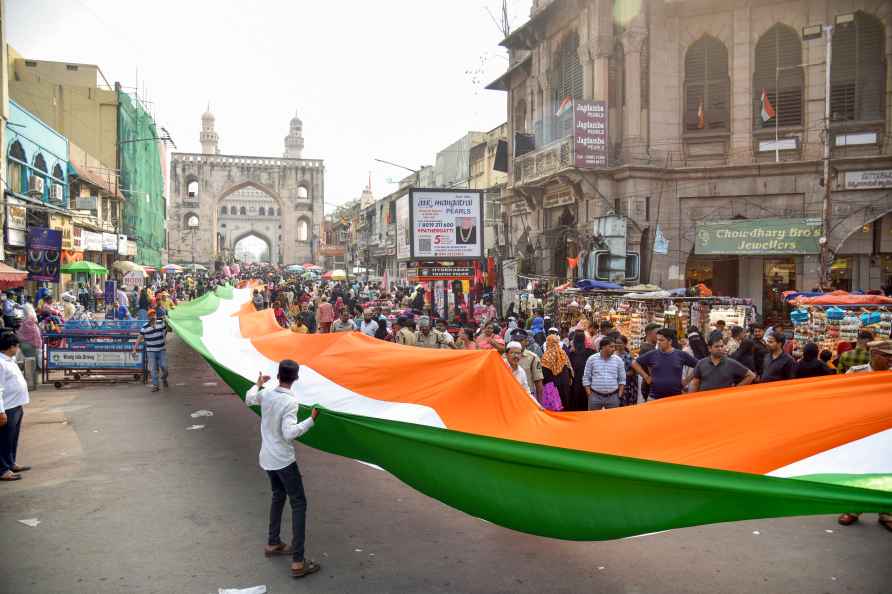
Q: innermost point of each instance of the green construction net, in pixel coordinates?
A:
(142, 180)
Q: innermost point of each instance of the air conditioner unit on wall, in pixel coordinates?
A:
(35, 185)
(56, 193)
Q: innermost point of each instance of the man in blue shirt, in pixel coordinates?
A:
(662, 367)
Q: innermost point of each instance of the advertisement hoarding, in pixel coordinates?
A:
(590, 134)
(109, 242)
(446, 224)
(44, 254)
(92, 241)
(403, 229)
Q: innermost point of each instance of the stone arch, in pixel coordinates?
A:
(250, 184)
(191, 183)
(188, 216)
(869, 210)
(303, 191)
(304, 228)
(270, 244)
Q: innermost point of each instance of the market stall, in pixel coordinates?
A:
(631, 312)
(836, 317)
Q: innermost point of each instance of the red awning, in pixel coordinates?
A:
(10, 277)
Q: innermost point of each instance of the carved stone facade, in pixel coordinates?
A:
(671, 170)
(277, 199)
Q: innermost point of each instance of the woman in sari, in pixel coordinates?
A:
(557, 369)
(31, 340)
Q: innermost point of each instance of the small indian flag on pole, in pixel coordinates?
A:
(565, 106)
(767, 109)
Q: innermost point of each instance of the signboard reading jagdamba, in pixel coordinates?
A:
(759, 237)
(446, 224)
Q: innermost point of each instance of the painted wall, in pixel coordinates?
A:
(83, 112)
(36, 137)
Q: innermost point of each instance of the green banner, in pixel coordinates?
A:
(759, 237)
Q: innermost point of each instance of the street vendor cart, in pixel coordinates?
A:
(94, 351)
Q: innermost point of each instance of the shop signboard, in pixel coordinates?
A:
(869, 180)
(756, 237)
(131, 247)
(64, 225)
(77, 239)
(16, 222)
(110, 292)
(97, 359)
(558, 199)
(403, 229)
(92, 241)
(435, 273)
(446, 224)
(44, 254)
(122, 245)
(109, 242)
(590, 134)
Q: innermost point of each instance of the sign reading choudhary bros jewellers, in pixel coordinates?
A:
(759, 237)
(445, 224)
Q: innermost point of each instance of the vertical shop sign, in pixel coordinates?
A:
(590, 134)
(44, 254)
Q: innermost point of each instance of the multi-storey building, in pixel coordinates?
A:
(715, 112)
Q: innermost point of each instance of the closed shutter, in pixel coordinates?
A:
(707, 83)
(858, 72)
(779, 72)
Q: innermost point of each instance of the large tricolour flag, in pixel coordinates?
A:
(565, 106)
(456, 426)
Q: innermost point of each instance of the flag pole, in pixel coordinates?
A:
(776, 96)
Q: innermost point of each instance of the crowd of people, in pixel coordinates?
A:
(588, 366)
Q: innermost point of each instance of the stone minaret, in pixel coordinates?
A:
(208, 137)
(294, 142)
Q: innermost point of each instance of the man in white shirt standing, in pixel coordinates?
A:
(278, 430)
(13, 398)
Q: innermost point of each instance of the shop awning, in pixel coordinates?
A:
(502, 83)
(844, 298)
(8, 274)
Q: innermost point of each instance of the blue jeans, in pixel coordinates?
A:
(157, 361)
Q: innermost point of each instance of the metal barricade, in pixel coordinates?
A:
(94, 351)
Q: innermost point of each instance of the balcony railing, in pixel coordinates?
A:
(541, 163)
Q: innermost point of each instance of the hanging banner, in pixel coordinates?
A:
(122, 245)
(64, 225)
(92, 241)
(590, 134)
(77, 239)
(70, 257)
(446, 224)
(44, 254)
(109, 242)
(16, 222)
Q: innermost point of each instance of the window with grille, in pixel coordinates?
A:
(779, 73)
(567, 82)
(707, 86)
(858, 71)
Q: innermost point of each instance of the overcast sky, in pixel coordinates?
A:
(394, 79)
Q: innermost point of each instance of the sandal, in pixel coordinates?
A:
(279, 549)
(886, 521)
(847, 519)
(309, 567)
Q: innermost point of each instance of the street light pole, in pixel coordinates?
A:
(826, 209)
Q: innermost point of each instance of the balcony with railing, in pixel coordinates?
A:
(543, 162)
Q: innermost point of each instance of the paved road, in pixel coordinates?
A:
(130, 501)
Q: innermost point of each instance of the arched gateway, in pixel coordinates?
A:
(233, 196)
